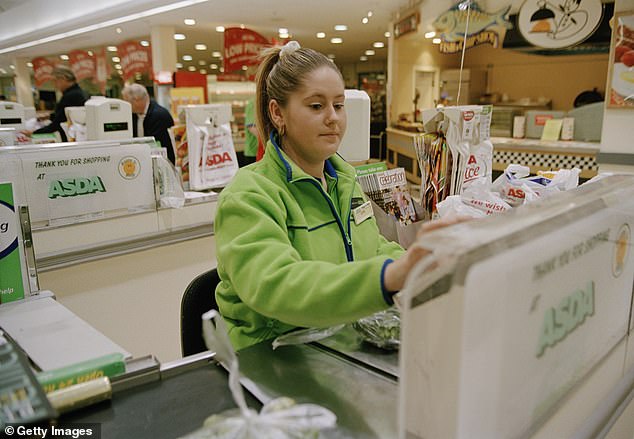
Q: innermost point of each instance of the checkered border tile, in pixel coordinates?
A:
(547, 161)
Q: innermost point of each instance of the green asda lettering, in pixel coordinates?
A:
(72, 187)
(562, 320)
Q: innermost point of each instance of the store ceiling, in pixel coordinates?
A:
(303, 19)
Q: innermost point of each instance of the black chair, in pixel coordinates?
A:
(199, 297)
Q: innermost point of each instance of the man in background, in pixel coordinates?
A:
(72, 96)
(149, 118)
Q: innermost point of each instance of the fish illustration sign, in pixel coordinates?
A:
(482, 27)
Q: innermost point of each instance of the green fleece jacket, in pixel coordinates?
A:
(291, 255)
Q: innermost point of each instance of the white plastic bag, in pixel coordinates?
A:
(303, 336)
(453, 206)
(212, 157)
(171, 192)
(516, 186)
(280, 418)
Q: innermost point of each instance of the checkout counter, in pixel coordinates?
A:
(523, 329)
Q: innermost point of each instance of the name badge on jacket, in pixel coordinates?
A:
(362, 213)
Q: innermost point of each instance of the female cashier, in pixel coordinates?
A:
(292, 250)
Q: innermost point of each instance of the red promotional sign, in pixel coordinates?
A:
(134, 59)
(82, 64)
(242, 48)
(42, 70)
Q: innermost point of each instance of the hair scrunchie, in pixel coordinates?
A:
(289, 48)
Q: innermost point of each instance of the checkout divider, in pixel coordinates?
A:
(106, 242)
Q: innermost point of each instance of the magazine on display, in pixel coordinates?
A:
(389, 190)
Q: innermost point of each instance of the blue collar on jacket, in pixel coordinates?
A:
(328, 167)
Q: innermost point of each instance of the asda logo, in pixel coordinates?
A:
(72, 187)
(563, 319)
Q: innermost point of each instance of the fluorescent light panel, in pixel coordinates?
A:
(107, 23)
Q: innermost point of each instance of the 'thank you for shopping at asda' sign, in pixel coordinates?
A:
(76, 184)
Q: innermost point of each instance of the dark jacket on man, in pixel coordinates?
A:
(73, 96)
(156, 123)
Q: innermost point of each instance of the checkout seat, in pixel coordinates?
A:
(199, 297)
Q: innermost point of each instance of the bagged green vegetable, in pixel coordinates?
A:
(382, 329)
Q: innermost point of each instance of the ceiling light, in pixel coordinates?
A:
(336, 40)
(387, 34)
(64, 57)
(3, 71)
(216, 54)
(179, 37)
(222, 69)
(220, 28)
(189, 21)
(369, 13)
(120, 72)
(104, 24)
(363, 58)
(117, 66)
(321, 34)
(90, 53)
(213, 66)
(200, 47)
(341, 27)
(111, 48)
(144, 43)
(364, 20)
(203, 71)
(202, 62)
(116, 59)
(431, 34)
(29, 64)
(187, 58)
(179, 65)
(191, 68)
(369, 52)
(284, 36)
(282, 30)
(118, 30)
(244, 67)
(378, 44)
(12, 67)
(436, 41)
(242, 26)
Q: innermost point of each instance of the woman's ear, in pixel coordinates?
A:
(275, 113)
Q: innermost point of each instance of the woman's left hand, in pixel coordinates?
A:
(397, 271)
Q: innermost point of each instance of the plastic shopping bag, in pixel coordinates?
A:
(280, 418)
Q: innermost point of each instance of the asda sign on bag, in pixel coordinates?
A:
(73, 184)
